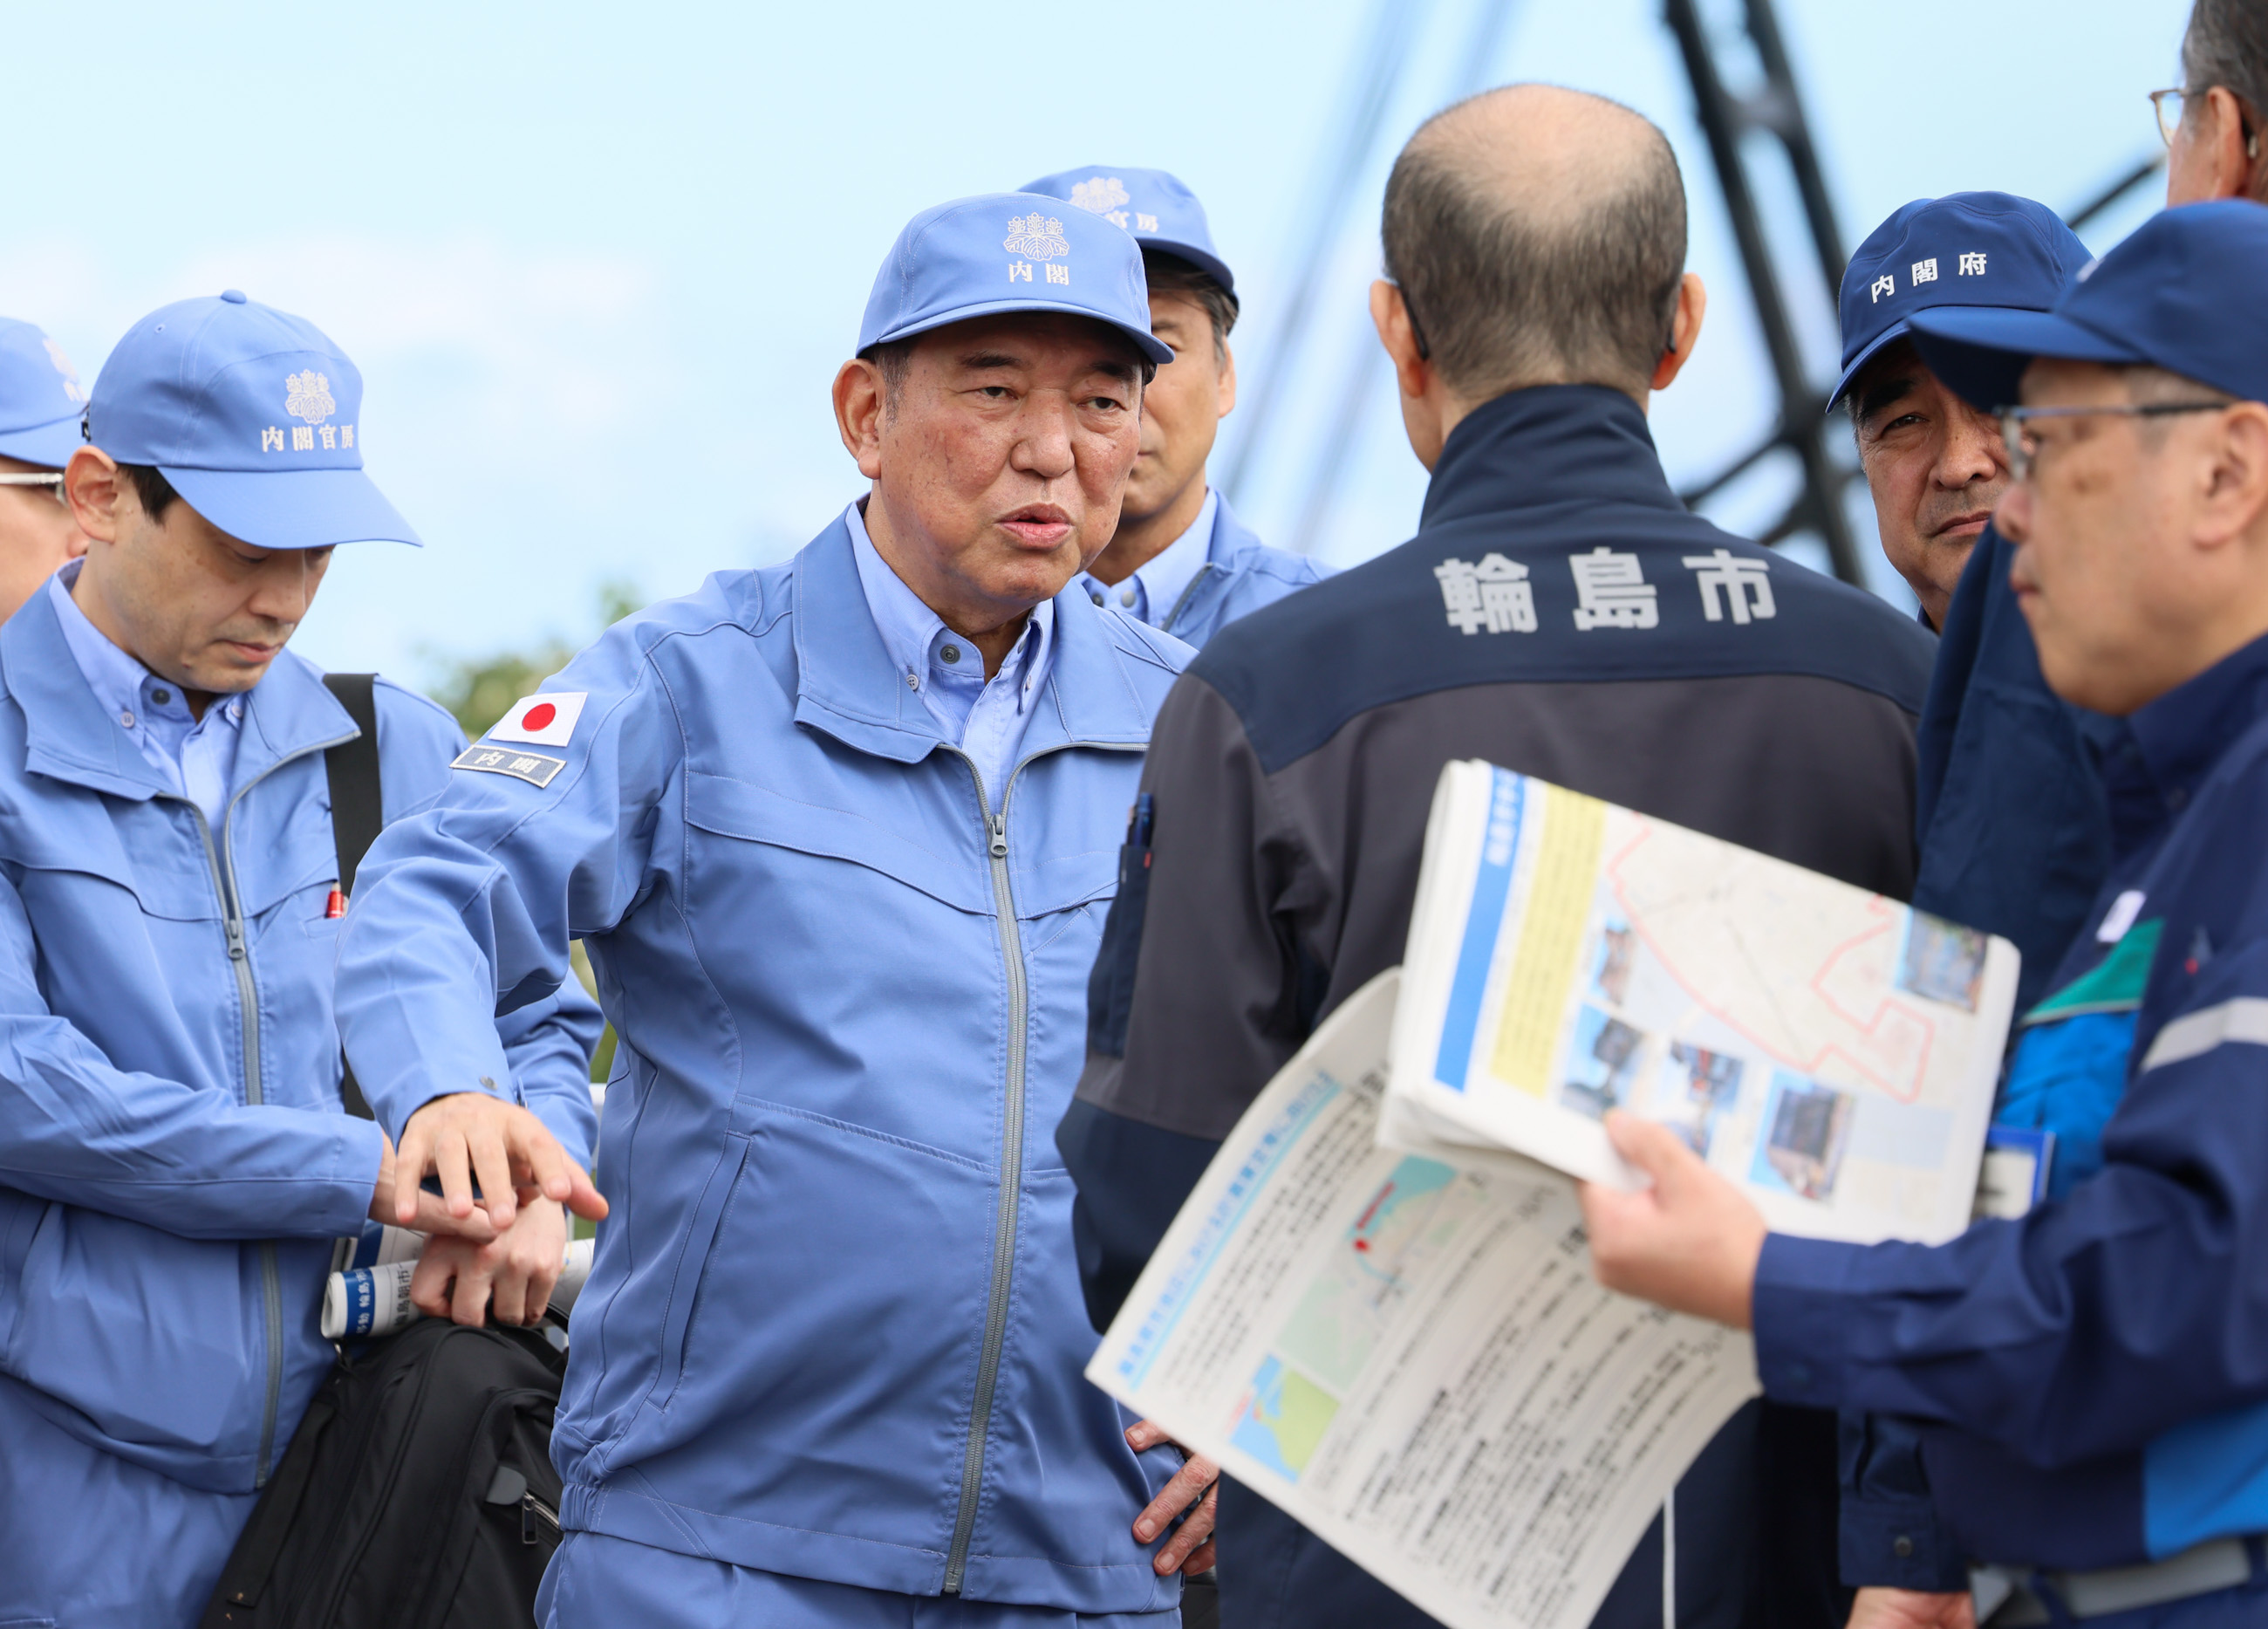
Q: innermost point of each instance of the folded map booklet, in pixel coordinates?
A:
(1832, 1051)
(1410, 1355)
(1377, 1307)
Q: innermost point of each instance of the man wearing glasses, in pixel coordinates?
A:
(2009, 818)
(2212, 124)
(40, 406)
(2092, 1376)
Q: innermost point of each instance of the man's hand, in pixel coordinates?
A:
(1190, 1549)
(470, 1134)
(512, 1275)
(432, 1214)
(1910, 1608)
(1689, 1242)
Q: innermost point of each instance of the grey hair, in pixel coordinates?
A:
(2226, 45)
(1507, 295)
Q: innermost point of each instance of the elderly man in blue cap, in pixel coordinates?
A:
(176, 1162)
(2092, 1376)
(840, 834)
(1181, 560)
(40, 406)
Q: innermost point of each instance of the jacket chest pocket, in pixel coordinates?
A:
(808, 853)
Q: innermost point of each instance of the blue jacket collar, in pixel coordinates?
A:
(847, 685)
(1549, 444)
(2154, 766)
(1231, 537)
(69, 735)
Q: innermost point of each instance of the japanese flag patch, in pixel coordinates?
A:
(546, 718)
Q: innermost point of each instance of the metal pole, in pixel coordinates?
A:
(2116, 190)
(1802, 422)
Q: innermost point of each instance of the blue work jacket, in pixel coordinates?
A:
(2014, 833)
(2014, 836)
(2091, 1382)
(833, 1328)
(175, 1161)
(1241, 574)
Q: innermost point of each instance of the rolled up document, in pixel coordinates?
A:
(375, 1301)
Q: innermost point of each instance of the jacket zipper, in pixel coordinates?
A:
(223, 862)
(1012, 1165)
(1188, 593)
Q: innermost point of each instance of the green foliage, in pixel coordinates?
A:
(479, 689)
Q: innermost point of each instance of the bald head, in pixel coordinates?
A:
(1538, 235)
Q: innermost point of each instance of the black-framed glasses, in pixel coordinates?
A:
(2172, 104)
(53, 480)
(2024, 446)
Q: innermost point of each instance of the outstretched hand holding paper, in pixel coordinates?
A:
(1829, 1052)
(1688, 1240)
(1410, 1355)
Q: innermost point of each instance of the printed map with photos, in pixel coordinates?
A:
(1830, 1049)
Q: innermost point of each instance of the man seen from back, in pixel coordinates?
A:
(1558, 612)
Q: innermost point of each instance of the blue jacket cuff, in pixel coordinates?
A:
(1798, 1321)
(1897, 1543)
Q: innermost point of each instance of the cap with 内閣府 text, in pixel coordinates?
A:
(2182, 293)
(1969, 248)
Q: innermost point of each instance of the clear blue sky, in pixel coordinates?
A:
(599, 265)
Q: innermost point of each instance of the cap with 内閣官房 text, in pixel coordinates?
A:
(255, 418)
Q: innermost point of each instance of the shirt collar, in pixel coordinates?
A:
(2172, 744)
(912, 633)
(127, 689)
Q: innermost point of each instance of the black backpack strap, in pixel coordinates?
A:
(358, 811)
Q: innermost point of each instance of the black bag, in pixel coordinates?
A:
(418, 1491)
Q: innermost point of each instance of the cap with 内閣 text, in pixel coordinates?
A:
(1005, 252)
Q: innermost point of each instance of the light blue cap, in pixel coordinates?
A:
(253, 416)
(41, 400)
(1154, 206)
(1009, 251)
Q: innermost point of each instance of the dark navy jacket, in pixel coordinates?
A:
(1559, 613)
(2016, 839)
(2014, 836)
(2095, 1376)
